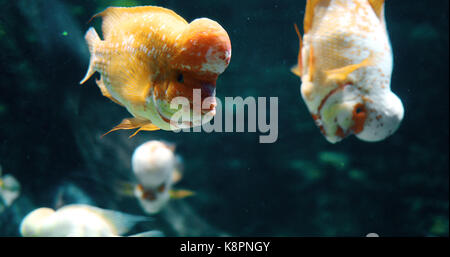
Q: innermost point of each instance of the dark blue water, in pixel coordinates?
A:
(301, 185)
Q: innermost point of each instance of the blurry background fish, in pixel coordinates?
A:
(156, 169)
(300, 185)
(80, 220)
(9, 190)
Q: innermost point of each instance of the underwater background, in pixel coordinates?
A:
(301, 185)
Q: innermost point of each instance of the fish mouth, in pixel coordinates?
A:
(212, 103)
(211, 112)
(200, 115)
(170, 121)
(209, 101)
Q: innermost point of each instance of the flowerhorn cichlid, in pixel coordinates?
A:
(80, 220)
(345, 64)
(149, 56)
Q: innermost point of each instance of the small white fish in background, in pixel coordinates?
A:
(9, 190)
(345, 64)
(79, 220)
(156, 168)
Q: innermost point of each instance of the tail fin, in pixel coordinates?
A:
(92, 39)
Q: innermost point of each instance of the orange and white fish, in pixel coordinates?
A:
(149, 56)
(345, 64)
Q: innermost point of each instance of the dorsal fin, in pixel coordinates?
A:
(378, 7)
(113, 16)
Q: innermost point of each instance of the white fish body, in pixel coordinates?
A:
(77, 220)
(345, 64)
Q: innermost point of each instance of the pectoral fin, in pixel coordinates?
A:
(132, 123)
(180, 193)
(133, 83)
(105, 91)
(341, 74)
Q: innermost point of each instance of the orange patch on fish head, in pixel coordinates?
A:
(205, 52)
(205, 48)
(183, 83)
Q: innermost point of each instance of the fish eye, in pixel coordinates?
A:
(180, 78)
(358, 110)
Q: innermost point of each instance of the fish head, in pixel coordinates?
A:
(384, 117)
(204, 53)
(153, 163)
(206, 48)
(153, 198)
(31, 224)
(370, 117)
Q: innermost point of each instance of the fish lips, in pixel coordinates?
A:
(209, 102)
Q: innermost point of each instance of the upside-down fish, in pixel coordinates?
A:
(149, 56)
(345, 64)
(156, 169)
(77, 220)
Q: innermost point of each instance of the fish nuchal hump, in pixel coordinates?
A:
(114, 17)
